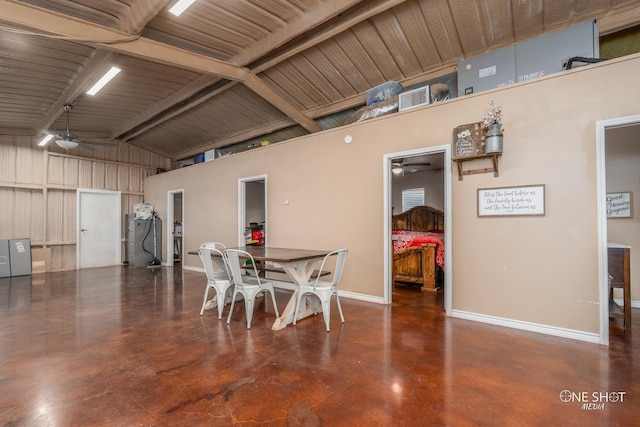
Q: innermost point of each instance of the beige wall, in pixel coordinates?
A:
(533, 269)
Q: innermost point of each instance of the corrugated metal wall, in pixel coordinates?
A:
(38, 190)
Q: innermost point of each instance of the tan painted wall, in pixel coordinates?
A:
(535, 269)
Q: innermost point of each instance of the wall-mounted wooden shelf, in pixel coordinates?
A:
(494, 159)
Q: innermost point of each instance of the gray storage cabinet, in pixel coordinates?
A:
(20, 256)
(5, 263)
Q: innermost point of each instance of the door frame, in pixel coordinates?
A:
(388, 256)
(169, 227)
(601, 178)
(242, 206)
(117, 240)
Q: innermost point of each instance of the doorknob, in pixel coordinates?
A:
(83, 229)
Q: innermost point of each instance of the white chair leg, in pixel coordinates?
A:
(233, 300)
(249, 301)
(339, 308)
(220, 296)
(326, 309)
(204, 299)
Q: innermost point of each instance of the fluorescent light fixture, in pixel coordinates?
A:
(181, 6)
(45, 140)
(103, 81)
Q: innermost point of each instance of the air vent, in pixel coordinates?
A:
(414, 98)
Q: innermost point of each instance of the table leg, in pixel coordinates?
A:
(300, 273)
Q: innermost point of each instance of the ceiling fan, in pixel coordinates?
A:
(399, 167)
(68, 140)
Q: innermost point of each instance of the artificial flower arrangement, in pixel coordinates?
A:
(494, 116)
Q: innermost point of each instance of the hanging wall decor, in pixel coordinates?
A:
(468, 140)
(493, 129)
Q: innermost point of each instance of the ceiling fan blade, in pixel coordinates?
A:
(417, 164)
(104, 143)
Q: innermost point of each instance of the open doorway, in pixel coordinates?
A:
(417, 209)
(618, 160)
(175, 227)
(252, 211)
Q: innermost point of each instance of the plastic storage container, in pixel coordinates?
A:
(384, 91)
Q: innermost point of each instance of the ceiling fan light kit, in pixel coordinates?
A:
(69, 141)
(67, 144)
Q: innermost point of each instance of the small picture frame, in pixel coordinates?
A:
(468, 140)
(619, 205)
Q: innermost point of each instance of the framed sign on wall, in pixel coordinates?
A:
(468, 140)
(509, 201)
(619, 205)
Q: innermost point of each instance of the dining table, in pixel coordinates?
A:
(298, 265)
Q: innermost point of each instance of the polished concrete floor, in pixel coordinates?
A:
(124, 346)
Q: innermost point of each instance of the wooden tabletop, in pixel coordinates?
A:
(267, 253)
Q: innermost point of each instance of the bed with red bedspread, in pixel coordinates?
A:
(418, 248)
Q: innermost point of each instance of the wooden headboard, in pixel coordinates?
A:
(419, 218)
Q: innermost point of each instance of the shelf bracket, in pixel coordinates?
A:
(494, 160)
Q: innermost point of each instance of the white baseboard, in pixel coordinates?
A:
(528, 326)
(361, 297)
(634, 303)
(290, 286)
(198, 269)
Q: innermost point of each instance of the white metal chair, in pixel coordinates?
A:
(218, 276)
(213, 245)
(248, 286)
(323, 289)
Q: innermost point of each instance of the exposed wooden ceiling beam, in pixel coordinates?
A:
(371, 9)
(26, 15)
(260, 87)
(142, 11)
(150, 117)
(292, 30)
(98, 64)
(306, 22)
(43, 21)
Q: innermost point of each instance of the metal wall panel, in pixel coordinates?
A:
(38, 190)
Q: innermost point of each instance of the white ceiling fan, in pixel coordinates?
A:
(68, 140)
(399, 167)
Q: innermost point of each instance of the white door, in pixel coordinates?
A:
(99, 235)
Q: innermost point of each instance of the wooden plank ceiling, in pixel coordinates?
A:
(227, 71)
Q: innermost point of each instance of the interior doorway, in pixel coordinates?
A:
(98, 227)
(175, 227)
(618, 173)
(252, 211)
(427, 170)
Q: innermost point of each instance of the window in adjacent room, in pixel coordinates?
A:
(412, 197)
